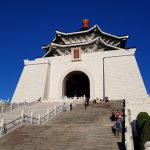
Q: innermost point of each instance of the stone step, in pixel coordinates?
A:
(80, 129)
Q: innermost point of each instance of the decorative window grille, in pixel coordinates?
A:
(76, 53)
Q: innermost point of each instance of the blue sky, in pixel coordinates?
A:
(26, 25)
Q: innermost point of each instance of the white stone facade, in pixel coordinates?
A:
(111, 73)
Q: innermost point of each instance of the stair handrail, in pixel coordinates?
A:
(5, 128)
(10, 126)
(12, 106)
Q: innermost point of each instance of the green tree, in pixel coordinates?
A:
(140, 122)
(145, 135)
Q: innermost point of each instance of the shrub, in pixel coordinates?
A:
(145, 135)
(141, 119)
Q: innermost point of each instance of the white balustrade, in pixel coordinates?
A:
(33, 120)
(147, 145)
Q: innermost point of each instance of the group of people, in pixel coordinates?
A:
(97, 100)
(86, 103)
(65, 107)
(116, 116)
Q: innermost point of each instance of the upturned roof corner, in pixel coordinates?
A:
(93, 38)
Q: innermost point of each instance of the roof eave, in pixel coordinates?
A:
(117, 37)
(86, 43)
(73, 33)
(86, 31)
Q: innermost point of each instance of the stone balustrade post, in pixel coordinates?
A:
(2, 109)
(84, 97)
(31, 117)
(39, 119)
(77, 101)
(147, 145)
(60, 105)
(48, 113)
(22, 116)
(55, 111)
(2, 126)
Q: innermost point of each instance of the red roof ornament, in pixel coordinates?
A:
(85, 23)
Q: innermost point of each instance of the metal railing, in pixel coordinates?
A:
(5, 128)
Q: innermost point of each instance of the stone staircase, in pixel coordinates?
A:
(79, 129)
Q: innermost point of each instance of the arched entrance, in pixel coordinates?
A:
(77, 84)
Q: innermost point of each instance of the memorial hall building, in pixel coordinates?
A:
(86, 62)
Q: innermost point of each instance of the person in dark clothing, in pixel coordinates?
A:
(71, 106)
(112, 117)
(106, 100)
(87, 101)
(85, 105)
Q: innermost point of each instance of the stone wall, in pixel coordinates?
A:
(137, 105)
(111, 73)
(31, 85)
(122, 77)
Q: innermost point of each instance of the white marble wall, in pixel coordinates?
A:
(31, 85)
(137, 105)
(122, 77)
(90, 64)
(44, 77)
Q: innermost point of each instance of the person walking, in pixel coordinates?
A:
(117, 114)
(112, 117)
(85, 105)
(118, 127)
(71, 106)
(87, 101)
(64, 107)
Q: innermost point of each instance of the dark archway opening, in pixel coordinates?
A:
(77, 84)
